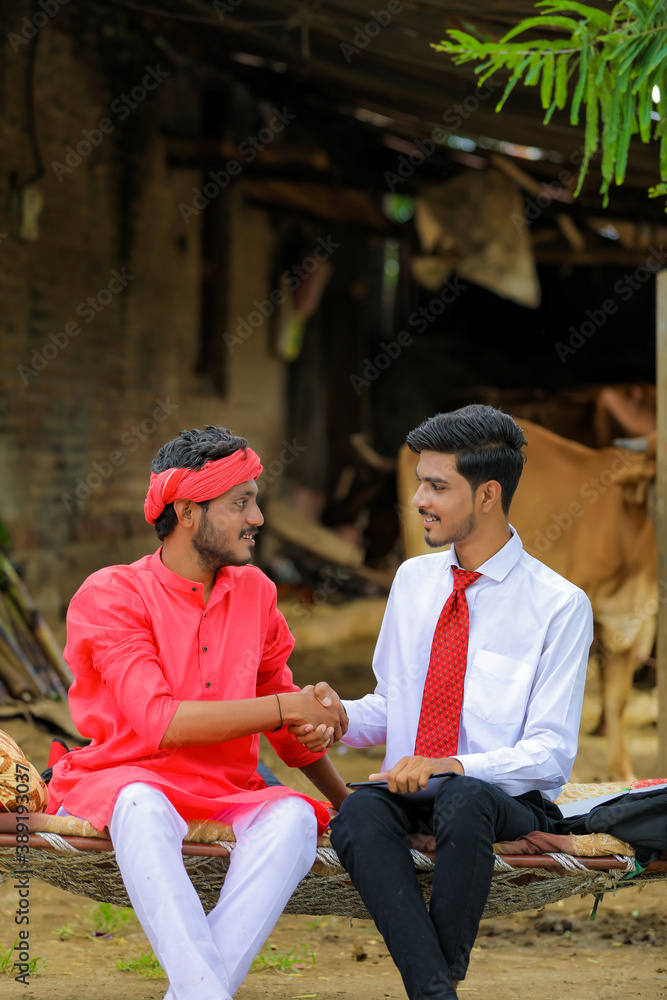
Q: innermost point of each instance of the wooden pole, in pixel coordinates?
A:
(661, 508)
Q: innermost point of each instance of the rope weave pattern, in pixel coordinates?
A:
(327, 888)
(59, 843)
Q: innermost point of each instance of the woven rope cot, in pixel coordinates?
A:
(86, 866)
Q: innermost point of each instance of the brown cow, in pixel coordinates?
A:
(584, 512)
(591, 414)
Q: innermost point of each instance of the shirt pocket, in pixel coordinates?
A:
(497, 688)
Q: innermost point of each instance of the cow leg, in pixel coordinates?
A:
(599, 657)
(617, 675)
(601, 728)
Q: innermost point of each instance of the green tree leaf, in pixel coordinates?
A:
(548, 73)
(613, 59)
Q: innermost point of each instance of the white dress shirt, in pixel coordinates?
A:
(530, 634)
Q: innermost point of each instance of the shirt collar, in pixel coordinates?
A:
(500, 564)
(170, 579)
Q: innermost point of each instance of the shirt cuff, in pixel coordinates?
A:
(361, 732)
(353, 725)
(476, 765)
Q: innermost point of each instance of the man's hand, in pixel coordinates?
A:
(326, 694)
(317, 738)
(315, 715)
(412, 773)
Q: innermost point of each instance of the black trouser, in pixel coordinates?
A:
(371, 837)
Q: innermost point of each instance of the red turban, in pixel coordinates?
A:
(213, 479)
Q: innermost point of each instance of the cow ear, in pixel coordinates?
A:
(638, 472)
(636, 480)
(636, 492)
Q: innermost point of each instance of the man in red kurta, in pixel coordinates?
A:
(180, 662)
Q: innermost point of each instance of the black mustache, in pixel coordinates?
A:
(249, 531)
(427, 513)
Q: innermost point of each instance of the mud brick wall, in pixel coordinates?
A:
(100, 304)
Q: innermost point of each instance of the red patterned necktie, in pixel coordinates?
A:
(438, 730)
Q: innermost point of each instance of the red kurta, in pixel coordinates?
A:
(139, 641)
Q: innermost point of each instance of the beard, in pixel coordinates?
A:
(213, 549)
(457, 533)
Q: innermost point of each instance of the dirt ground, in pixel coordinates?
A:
(555, 953)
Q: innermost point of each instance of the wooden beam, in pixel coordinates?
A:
(661, 508)
(338, 206)
(574, 236)
(614, 256)
(293, 527)
(554, 192)
(201, 151)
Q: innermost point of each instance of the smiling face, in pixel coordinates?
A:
(225, 533)
(445, 500)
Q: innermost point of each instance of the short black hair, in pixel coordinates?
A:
(192, 450)
(487, 444)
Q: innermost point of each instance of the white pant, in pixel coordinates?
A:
(208, 957)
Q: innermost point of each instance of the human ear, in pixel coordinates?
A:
(491, 495)
(184, 512)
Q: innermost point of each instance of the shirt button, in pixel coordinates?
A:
(205, 648)
(208, 684)
(194, 590)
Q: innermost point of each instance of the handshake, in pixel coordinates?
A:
(315, 715)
